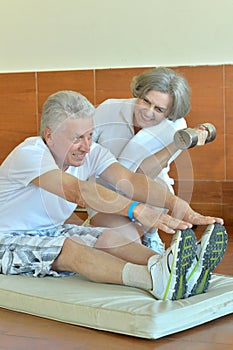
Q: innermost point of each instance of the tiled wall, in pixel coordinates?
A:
(203, 174)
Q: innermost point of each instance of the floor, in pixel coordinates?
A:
(20, 331)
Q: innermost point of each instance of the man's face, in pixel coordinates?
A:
(152, 109)
(70, 143)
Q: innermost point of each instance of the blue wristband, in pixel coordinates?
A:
(130, 210)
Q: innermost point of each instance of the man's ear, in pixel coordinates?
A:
(47, 135)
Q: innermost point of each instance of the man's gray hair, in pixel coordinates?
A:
(63, 105)
(167, 81)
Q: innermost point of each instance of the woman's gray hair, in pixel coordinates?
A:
(63, 105)
(167, 81)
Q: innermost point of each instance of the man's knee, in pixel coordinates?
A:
(68, 254)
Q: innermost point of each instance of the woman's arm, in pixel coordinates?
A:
(155, 163)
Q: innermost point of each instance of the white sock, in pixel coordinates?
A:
(136, 276)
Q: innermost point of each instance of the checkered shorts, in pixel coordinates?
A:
(32, 253)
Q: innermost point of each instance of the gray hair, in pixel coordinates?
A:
(63, 105)
(167, 81)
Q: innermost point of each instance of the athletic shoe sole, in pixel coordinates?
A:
(176, 261)
(186, 254)
(213, 247)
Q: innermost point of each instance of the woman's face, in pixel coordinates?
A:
(152, 109)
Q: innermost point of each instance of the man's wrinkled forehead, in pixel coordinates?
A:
(77, 127)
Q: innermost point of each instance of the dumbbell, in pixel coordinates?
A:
(188, 138)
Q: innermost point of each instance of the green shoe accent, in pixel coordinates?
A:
(213, 247)
(187, 252)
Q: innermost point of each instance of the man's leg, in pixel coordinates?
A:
(112, 250)
(113, 261)
(96, 265)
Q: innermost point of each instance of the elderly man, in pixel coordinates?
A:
(45, 178)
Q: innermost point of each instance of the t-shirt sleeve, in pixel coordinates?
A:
(100, 158)
(27, 164)
(101, 118)
(149, 141)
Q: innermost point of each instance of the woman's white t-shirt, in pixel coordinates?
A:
(113, 121)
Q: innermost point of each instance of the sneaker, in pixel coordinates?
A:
(154, 242)
(210, 251)
(168, 272)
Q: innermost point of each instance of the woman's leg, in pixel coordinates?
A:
(119, 223)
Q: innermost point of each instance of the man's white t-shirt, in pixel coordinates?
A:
(25, 206)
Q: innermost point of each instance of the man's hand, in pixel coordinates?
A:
(198, 219)
(182, 217)
(183, 211)
(152, 217)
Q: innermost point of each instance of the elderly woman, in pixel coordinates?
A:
(139, 132)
